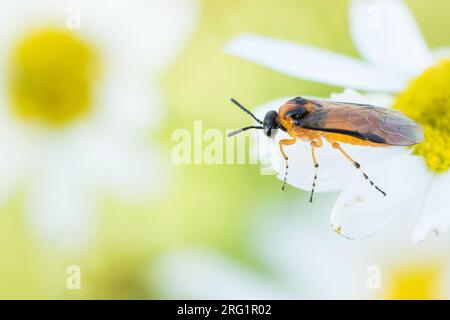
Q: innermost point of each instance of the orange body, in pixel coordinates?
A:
(355, 124)
(315, 135)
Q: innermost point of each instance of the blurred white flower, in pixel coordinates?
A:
(396, 59)
(79, 96)
(297, 258)
(394, 52)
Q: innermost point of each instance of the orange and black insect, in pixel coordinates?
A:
(336, 122)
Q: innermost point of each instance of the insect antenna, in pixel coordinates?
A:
(243, 129)
(246, 110)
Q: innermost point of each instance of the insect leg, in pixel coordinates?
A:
(285, 142)
(357, 166)
(314, 144)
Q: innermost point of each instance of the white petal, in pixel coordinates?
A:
(18, 150)
(119, 166)
(335, 171)
(132, 107)
(314, 64)
(361, 211)
(205, 274)
(139, 34)
(376, 99)
(59, 208)
(435, 213)
(385, 33)
(305, 254)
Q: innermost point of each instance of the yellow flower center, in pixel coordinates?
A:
(427, 101)
(51, 77)
(415, 282)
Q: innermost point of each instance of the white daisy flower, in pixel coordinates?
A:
(299, 259)
(79, 95)
(396, 59)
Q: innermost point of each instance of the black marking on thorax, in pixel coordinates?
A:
(300, 101)
(296, 114)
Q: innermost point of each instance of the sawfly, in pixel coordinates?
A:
(336, 122)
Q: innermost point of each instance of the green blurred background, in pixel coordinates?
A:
(209, 205)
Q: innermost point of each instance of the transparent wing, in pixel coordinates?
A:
(365, 122)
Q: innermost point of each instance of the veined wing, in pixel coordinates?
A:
(365, 122)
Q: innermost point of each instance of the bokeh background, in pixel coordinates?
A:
(221, 231)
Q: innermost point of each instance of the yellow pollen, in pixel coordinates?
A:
(427, 101)
(51, 77)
